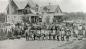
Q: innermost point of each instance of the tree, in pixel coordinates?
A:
(47, 20)
(45, 8)
(25, 19)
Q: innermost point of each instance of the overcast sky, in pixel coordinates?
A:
(65, 5)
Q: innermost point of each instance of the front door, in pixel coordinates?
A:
(34, 19)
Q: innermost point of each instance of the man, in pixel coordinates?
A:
(80, 30)
(28, 33)
(62, 34)
(50, 34)
(67, 34)
(58, 32)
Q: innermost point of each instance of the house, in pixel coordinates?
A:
(52, 11)
(18, 8)
(2, 17)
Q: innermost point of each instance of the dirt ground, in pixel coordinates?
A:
(40, 44)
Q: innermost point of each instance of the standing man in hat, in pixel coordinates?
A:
(62, 34)
(68, 33)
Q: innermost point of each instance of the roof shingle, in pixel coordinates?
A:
(21, 4)
(51, 8)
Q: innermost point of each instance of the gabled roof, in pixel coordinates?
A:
(51, 8)
(31, 4)
(21, 4)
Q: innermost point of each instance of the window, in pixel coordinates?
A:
(14, 16)
(8, 16)
(40, 19)
(24, 11)
(20, 12)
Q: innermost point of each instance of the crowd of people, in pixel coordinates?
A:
(46, 32)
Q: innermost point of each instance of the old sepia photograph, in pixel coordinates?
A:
(42, 24)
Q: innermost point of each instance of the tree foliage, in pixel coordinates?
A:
(76, 15)
(25, 19)
(47, 20)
